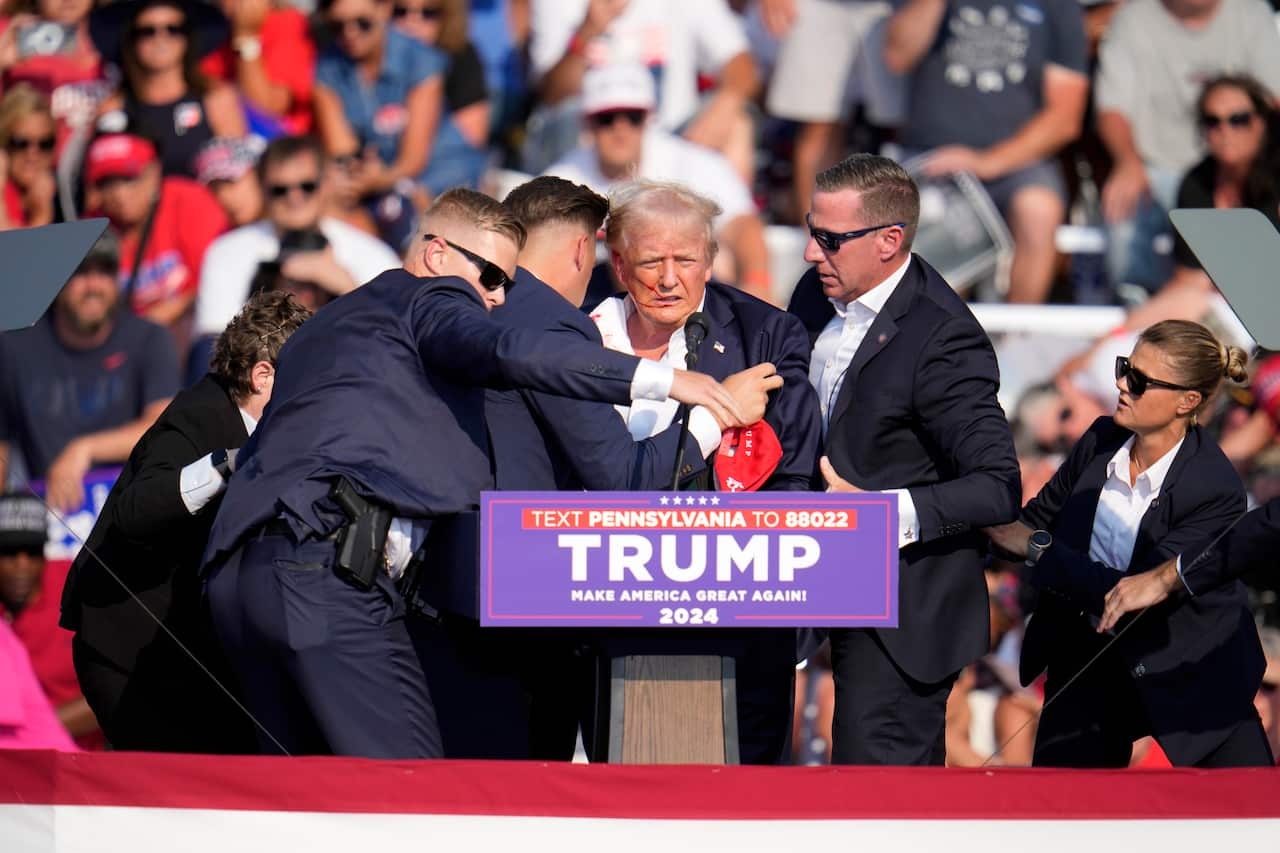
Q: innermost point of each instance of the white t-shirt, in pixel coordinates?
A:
(231, 261)
(667, 157)
(675, 39)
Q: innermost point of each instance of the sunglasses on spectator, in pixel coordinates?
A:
(492, 276)
(832, 241)
(150, 31)
(1139, 382)
(282, 190)
(635, 118)
(426, 13)
(1239, 120)
(339, 26)
(25, 143)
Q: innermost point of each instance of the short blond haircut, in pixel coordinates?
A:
(19, 102)
(645, 201)
(476, 210)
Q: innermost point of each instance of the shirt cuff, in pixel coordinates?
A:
(908, 522)
(1183, 579)
(199, 483)
(404, 538)
(703, 427)
(652, 381)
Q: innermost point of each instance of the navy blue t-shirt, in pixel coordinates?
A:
(50, 394)
(982, 79)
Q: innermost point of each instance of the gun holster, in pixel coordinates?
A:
(362, 540)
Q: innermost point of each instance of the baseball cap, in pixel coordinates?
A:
(117, 155)
(23, 522)
(747, 458)
(227, 158)
(617, 87)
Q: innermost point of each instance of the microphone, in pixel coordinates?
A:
(695, 332)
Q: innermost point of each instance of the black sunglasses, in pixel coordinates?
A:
(1138, 381)
(831, 241)
(282, 190)
(492, 276)
(24, 143)
(150, 31)
(635, 118)
(426, 13)
(338, 26)
(1209, 121)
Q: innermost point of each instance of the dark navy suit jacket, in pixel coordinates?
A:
(918, 410)
(545, 441)
(1197, 662)
(385, 386)
(1252, 545)
(745, 331)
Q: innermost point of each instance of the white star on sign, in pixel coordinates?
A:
(702, 501)
(715, 501)
(663, 500)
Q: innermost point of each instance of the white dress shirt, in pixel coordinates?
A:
(649, 414)
(832, 354)
(199, 482)
(1122, 504)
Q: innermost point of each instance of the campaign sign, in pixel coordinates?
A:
(67, 531)
(681, 559)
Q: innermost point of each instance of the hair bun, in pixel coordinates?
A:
(1237, 366)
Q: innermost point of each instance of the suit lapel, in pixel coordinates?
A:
(884, 328)
(1154, 524)
(723, 352)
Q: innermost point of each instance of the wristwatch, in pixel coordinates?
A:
(247, 48)
(1037, 544)
(220, 463)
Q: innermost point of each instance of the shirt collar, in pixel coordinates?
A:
(875, 299)
(1153, 477)
(250, 422)
(611, 317)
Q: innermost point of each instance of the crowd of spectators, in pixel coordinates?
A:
(246, 145)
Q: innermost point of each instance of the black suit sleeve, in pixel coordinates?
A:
(456, 338)
(1087, 582)
(957, 406)
(793, 410)
(1248, 547)
(1041, 511)
(152, 502)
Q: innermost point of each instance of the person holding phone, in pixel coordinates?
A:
(1139, 488)
(46, 44)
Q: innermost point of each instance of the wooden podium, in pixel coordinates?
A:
(673, 709)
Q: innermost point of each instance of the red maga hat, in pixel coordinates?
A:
(747, 458)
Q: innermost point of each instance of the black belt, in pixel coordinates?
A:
(279, 527)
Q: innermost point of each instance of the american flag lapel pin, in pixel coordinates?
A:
(718, 347)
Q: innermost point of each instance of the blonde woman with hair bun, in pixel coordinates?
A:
(1139, 488)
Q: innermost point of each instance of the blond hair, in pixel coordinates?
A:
(644, 201)
(20, 101)
(476, 210)
(1200, 361)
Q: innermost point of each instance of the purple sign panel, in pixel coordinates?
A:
(682, 559)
